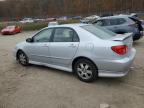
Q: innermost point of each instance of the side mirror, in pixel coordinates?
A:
(29, 40)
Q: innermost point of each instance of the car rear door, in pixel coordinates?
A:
(118, 25)
(63, 47)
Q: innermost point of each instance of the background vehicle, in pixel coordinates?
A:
(89, 19)
(121, 24)
(27, 20)
(11, 30)
(39, 20)
(53, 23)
(84, 49)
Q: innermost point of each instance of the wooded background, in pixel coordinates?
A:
(32, 8)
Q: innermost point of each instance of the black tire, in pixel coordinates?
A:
(22, 58)
(86, 70)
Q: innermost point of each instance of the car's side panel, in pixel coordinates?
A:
(61, 53)
(38, 52)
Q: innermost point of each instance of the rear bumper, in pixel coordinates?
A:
(112, 74)
(117, 68)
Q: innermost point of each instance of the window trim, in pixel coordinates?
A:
(54, 29)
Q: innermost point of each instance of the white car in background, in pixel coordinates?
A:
(53, 23)
(89, 18)
(27, 20)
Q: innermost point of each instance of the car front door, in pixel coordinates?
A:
(38, 50)
(63, 47)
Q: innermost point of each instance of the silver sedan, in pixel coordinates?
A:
(88, 51)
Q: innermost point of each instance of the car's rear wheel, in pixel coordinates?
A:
(22, 58)
(85, 70)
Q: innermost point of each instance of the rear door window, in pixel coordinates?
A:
(65, 35)
(117, 21)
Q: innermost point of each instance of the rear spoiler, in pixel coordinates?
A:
(121, 37)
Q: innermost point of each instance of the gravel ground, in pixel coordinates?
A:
(42, 87)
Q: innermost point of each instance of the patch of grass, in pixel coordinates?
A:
(1, 26)
(142, 17)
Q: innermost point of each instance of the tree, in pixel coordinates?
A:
(31, 8)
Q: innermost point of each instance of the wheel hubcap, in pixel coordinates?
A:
(84, 71)
(22, 58)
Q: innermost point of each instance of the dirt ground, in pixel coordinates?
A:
(42, 87)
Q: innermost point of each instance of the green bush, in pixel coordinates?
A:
(33, 26)
(69, 21)
(1, 26)
(142, 17)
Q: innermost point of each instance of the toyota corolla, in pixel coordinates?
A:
(88, 51)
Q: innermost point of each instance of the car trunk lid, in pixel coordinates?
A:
(123, 37)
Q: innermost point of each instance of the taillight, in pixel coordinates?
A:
(120, 49)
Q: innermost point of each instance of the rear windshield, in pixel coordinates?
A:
(99, 31)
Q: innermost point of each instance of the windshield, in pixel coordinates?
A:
(99, 31)
(10, 27)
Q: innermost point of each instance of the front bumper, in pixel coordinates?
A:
(7, 33)
(117, 68)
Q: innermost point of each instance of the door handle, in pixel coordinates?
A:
(72, 45)
(45, 45)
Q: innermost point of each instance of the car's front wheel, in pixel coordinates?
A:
(22, 58)
(85, 70)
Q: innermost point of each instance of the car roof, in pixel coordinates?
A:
(116, 16)
(69, 25)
